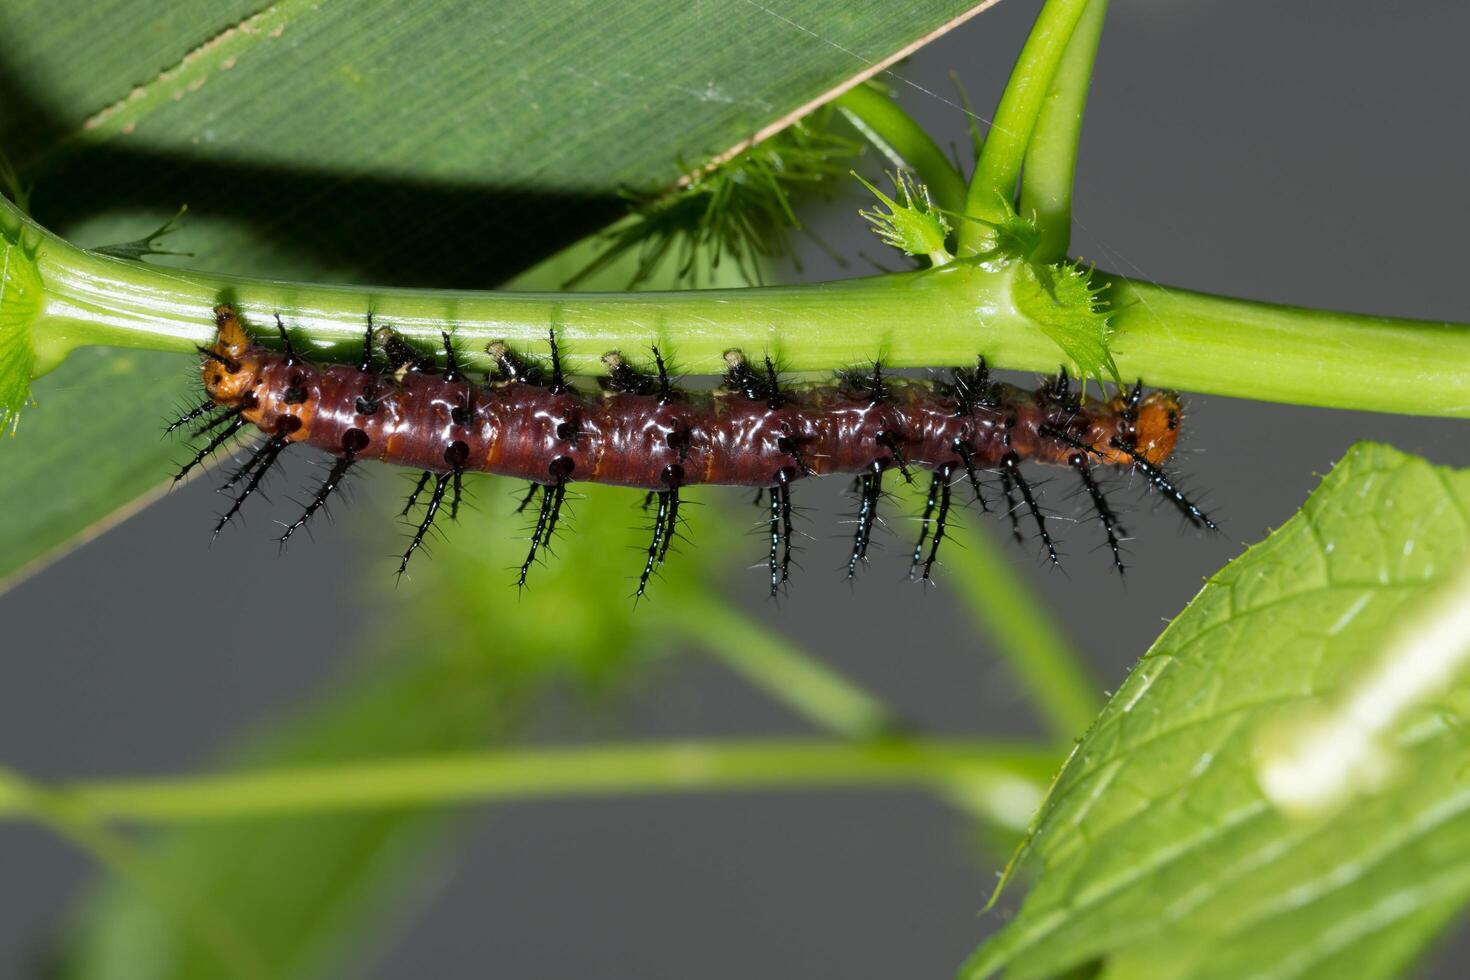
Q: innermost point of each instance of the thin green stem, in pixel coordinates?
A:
(73, 820)
(1039, 654)
(904, 142)
(993, 184)
(934, 317)
(1051, 157)
(783, 670)
(1010, 777)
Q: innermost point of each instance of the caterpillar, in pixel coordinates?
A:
(642, 431)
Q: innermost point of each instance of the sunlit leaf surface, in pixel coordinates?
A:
(1158, 854)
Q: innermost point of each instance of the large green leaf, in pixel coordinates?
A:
(1158, 852)
(422, 141)
(390, 141)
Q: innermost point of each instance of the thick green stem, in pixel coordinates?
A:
(1010, 777)
(1051, 158)
(935, 317)
(904, 142)
(993, 183)
(1289, 354)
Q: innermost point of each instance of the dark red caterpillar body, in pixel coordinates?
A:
(643, 433)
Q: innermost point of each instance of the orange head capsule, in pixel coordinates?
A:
(1154, 420)
(1158, 426)
(229, 366)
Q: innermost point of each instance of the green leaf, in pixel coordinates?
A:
(1064, 303)
(140, 248)
(1159, 854)
(400, 141)
(387, 141)
(915, 226)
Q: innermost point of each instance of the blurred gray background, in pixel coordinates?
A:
(1311, 153)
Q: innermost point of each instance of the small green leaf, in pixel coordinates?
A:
(139, 248)
(20, 301)
(915, 226)
(742, 210)
(1063, 302)
(1158, 853)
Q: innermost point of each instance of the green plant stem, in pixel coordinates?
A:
(935, 317)
(1012, 775)
(1051, 157)
(70, 818)
(904, 142)
(1290, 354)
(780, 668)
(993, 184)
(1039, 655)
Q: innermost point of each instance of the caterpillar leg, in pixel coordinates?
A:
(967, 458)
(663, 530)
(436, 499)
(208, 425)
(458, 492)
(785, 495)
(1011, 466)
(413, 498)
(258, 466)
(265, 453)
(546, 520)
(220, 438)
(1111, 527)
(780, 560)
(558, 494)
(870, 488)
(890, 442)
(775, 542)
(189, 416)
(328, 487)
(930, 503)
(456, 456)
(1160, 481)
(939, 497)
(1007, 488)
(531, 492)
(673, 476)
